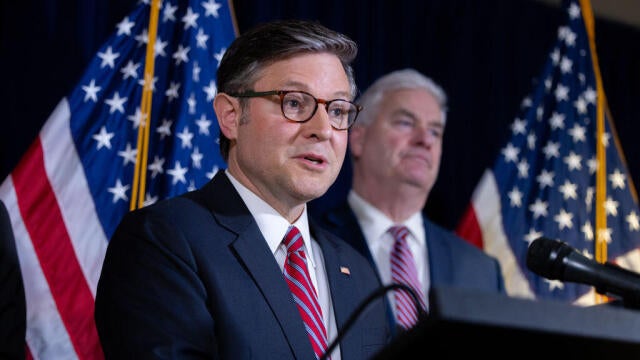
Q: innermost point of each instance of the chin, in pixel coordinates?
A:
(314, 183)
(311, 192)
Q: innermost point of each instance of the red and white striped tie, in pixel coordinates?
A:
(403, 271)
(304, 294)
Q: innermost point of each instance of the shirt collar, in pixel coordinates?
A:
(272, 225)
(374, 223)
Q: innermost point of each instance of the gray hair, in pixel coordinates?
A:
(398, 80)
(267, 43)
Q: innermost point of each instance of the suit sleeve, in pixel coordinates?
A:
(150, 299)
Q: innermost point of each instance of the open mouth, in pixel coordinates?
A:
(314, 159)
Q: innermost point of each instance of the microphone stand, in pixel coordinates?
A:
(354, 316)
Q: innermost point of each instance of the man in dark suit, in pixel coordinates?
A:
(208, 274)
(13, 312)
(396, 146)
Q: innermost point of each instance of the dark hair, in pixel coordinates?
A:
(269, 42)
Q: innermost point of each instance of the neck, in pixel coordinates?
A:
(397, 202)
(290, 208)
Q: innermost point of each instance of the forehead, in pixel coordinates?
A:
(417, 103)
(321, 74)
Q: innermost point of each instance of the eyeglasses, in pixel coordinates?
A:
(300, 106)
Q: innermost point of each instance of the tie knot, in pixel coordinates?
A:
(399, 232)
(293, 239)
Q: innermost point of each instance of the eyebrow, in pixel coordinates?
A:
(431, 122)
(296, 85)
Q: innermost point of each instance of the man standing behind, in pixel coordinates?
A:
(396, 146)
(234, 270)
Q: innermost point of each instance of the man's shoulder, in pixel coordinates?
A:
(437, 232)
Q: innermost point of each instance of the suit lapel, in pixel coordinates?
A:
(256, 257)
(261, 266)
(440, 258)
(339, 277)
(341, 282)
(345, 225)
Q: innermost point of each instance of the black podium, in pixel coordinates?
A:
(463, 323)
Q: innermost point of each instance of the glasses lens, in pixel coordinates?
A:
(342, 113)
(298, 106)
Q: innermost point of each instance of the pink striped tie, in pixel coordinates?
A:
(304, 294)
(403, 271)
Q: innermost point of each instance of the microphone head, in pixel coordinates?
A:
(545, 257)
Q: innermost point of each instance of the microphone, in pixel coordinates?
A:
(556, 260)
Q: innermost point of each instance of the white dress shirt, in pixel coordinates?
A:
(375, 226)
(273, 227)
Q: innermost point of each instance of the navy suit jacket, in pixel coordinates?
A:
(452, 260)
(193, 277)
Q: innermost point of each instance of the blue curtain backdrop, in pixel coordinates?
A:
(484, 53)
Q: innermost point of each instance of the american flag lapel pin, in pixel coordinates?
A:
(345, 270)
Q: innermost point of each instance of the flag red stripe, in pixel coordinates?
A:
(469, 228)
(43, 220)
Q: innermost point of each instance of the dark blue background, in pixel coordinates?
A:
(484, 53)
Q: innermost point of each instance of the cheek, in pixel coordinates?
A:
(436, 160)
(394, 145)
(256, 145)
(341, 143)
(437, 152)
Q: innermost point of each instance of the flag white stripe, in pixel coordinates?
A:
(71, 190)
(46, 335)
(486, 204)
(630, 260)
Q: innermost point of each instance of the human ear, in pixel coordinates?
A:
(356, 140)
(228, 112)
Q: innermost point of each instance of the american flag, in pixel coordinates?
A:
(75, 182)
(543, 182)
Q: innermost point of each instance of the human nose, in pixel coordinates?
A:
(319, 125)
(425, 135)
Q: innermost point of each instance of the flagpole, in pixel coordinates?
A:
(601, 169)
(139, 176)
